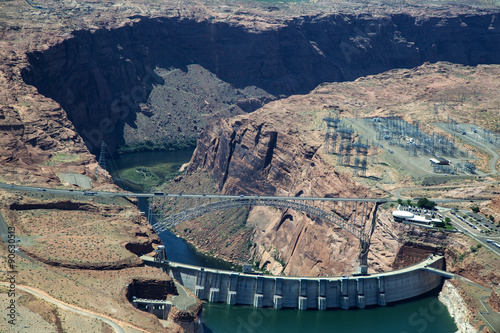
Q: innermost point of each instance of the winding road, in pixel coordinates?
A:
(41, 294)
(397, 193)
(468, 138)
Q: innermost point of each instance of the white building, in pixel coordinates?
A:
(404, 216)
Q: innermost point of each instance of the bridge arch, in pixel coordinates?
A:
(357, 223)
(311, 206)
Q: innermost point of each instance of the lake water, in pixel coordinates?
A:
(424, 315)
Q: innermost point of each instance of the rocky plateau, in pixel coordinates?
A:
(252, 82)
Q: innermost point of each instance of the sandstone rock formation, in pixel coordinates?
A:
(277, 150)
(261, 154)
(86, 71)
(108, 79)
(457, 307)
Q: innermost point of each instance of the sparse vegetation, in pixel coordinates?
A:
(476, 247)
(426, 203)
(167, 145)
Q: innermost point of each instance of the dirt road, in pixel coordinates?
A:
(39, 293)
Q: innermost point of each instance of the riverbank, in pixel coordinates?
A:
(457, 307)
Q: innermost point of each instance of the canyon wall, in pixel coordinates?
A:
(110, 83)
(278, 150)
(104, 78)
(457, 307)
(263, 153)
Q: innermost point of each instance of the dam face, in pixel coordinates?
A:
(306, 292)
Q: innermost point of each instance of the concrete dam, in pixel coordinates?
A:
(304, 293)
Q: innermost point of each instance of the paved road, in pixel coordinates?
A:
(206, 196)
(462, 227)
(170, 195)
(183, 300)
(489, 315)
(469, 138)
(117, 328)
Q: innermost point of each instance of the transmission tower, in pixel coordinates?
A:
(102, 157)
(332, 123)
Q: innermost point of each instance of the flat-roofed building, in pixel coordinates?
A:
(404, 216)
(439, 160)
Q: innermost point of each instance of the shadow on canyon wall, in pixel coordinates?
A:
(104, 79)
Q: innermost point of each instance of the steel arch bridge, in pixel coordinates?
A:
(355, 215)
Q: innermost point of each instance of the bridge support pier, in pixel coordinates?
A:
(361, 286)
(381, 291)
(344, 289)
(302, 303)
(360, 302)
(344, 302)
(381, 299)
(321, 303)
(278, 302)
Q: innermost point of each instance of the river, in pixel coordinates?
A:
(138, 171)
(423, 315)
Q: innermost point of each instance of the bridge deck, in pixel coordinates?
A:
(445, 274)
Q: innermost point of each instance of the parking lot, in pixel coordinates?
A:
(480, 223)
